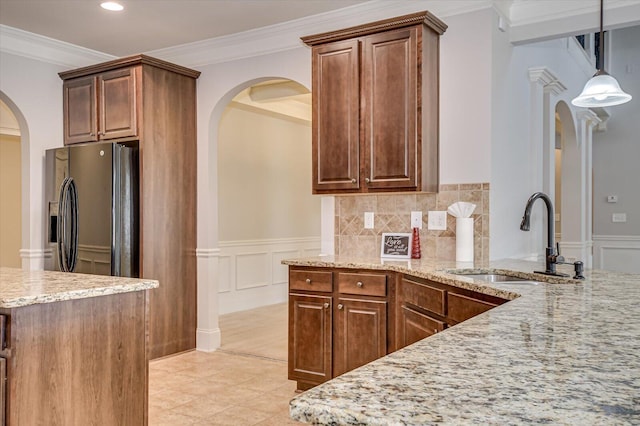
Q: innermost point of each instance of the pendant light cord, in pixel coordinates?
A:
(600, 47)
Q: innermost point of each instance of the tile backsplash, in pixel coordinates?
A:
(392, 213)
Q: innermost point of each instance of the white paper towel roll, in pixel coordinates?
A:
(464, 239)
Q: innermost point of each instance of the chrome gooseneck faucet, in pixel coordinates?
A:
(551, 256)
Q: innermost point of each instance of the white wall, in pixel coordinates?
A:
(465, 99)
(616, 153)
(267, 212)
(33, 91)
(515, 173)
(264, 174)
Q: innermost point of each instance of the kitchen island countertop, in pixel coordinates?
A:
(566, 352)
(20, 288)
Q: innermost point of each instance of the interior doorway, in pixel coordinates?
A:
(266, 211)
(10, 188)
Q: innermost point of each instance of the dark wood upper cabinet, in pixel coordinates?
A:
(375, 106)
(101, 107)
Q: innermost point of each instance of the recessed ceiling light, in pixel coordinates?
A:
(112, 5)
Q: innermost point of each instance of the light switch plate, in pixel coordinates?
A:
(368, 220)
(437, 221)
(416, 220)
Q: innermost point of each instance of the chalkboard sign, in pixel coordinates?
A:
(397, 246)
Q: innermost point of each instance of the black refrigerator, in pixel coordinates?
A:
(92, 205)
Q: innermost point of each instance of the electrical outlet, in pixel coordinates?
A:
(416, 220)
(619, 217)
(437, 221)
(368, 220)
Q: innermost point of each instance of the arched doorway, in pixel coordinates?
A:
(265, 209)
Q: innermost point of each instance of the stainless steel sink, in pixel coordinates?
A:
(500, 279)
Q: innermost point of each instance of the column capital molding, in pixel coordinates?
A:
(589, 117)
(546, 78)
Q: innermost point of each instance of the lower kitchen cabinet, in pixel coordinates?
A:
(309, 339)
(335, 328)
(415, 326)
(360, 333)
(341, 319)
(426, 307)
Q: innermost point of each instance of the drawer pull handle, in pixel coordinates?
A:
(326, 305)
(359, 284)
(308, 280)
(340, 306)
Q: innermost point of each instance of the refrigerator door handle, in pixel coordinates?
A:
(68, 232)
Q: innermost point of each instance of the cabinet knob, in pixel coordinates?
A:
(326, 305)
(92, 134)
(367, 180)
(359, 284)
(435, 330)
(353, 180)
(340, 306)
(308, 280)
(101, 133)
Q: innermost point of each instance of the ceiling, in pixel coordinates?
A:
(146, 25)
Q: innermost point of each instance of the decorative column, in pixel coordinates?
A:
(577, 184)
(545, 87)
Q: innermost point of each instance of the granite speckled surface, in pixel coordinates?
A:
(23, 288)
(561, 353)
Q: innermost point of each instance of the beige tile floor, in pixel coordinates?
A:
(235, 387)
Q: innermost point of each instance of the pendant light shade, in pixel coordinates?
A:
(601, 90)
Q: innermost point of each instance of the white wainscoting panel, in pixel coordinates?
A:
(251, 273)
(252, 270)
(619, 253)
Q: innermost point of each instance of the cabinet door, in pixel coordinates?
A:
(80, 110)
(461, 307)
(336, 101)
(390, 109)
(416, 326)
(360, 333)
(309, 339)
(118, 118)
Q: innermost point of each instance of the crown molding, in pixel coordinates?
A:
(45, 49)
(527, 21)
(286, 36)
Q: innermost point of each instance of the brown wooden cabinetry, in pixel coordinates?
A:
(375, 106)
(77, 362)
(338, 321)
(101, 107)
(427, 307)
(152, 101)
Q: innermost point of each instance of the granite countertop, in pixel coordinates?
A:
(558, 353)
(23, 288)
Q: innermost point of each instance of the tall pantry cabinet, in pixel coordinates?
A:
(154, 102)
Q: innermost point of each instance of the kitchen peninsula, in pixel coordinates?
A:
(559, 352)
(75, 348)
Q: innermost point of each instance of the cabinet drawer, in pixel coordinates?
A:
(462, 308)
(424, 296)
(363, 284)
(311, 280)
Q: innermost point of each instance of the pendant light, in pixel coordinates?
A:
(601, 90)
